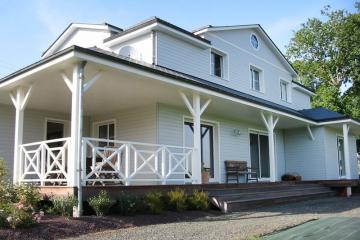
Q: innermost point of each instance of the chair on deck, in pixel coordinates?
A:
(234, 169)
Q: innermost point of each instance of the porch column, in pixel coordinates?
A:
(76, 123)
(19, 97)
(346, 150)
(196, 111)
(270, 124)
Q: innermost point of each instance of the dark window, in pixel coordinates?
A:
(216, 65)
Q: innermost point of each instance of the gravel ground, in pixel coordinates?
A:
(240, 225)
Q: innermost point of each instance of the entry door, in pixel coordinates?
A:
(55, 130)
(259, 154)
(341, 156)
(207, 144)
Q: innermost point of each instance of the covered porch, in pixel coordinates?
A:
(90, 94)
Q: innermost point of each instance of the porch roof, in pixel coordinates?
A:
(179, 76)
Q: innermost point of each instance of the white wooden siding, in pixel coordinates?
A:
(170, 131)
(137, 124)
(304, 156)
(142, 44)
(300, 100)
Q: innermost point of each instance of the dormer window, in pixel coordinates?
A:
(284, 91)
(217, 65)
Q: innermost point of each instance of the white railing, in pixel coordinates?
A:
(118, 162)
(44, 162)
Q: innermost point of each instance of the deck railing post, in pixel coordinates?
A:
(127, 164)
(163, 166)
(43, 162)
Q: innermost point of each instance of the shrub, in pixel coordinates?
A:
(128, 205)
(199, 200)
(291, 177)
(177, 200)
(28, 195)
(154, 202)
(63, 206)
(101, 203)
(17, 203)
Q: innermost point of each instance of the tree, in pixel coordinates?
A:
(326, 54)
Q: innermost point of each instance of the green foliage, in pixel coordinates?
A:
(199, 200)
(17, 203)
(154, 202)
(326, 54)
(128, 205)
(63, 206)
(101, 203)
(177, 200)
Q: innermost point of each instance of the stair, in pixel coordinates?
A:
(240, 197)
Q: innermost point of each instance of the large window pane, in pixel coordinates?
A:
(254, 151)
(264, 156)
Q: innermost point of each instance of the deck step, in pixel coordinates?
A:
(233, 199)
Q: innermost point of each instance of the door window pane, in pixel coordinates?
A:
(254, 152)
(341, 157)
(264, 156)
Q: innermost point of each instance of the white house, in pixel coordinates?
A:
(154, 103)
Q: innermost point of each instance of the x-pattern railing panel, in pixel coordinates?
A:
(44, 164)
(128, 162)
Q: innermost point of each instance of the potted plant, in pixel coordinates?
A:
(205, 174)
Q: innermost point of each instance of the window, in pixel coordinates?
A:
(254, 41)
(255, 79)
(217, 65)
(106, 131)
(284, 91)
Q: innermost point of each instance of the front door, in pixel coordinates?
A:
(207, 144)
(55, 130)
(341, 156)
(259, 154)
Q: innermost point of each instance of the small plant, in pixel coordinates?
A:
(199, 200)
(177, 200)
(101, 203)
(154, 202)
(19, 215)
(28, 195)
(63, 206)
(128, 205)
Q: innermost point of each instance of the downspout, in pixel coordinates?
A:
(80, 162)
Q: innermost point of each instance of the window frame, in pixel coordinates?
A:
(96, 126)
(253, 67)
(257, 38)
(224, 63)
(288, 90)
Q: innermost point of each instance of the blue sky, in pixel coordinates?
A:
(27, 28)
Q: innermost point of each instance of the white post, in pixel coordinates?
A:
(270, 124)
(196, 163)
(196, 111)
(19, 98)
(346, 150)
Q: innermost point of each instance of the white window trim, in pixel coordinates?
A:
(95, 127)
(57, 120)
(288, 90)
(225, 63)
(337, 155)
(261, 78)
(257, 37)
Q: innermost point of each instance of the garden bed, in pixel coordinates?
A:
(56, 227)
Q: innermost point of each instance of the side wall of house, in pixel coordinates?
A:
(231, 147)
(303, 155)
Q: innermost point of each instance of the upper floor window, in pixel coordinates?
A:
(254, 41)
(284, 91)
(217, 65)
(255, 79)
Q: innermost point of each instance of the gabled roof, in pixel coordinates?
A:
(159, 21)
(210, 28)
(74, 26)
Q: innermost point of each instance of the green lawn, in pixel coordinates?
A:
(333, 228)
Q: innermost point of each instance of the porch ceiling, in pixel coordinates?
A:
(117, 90)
